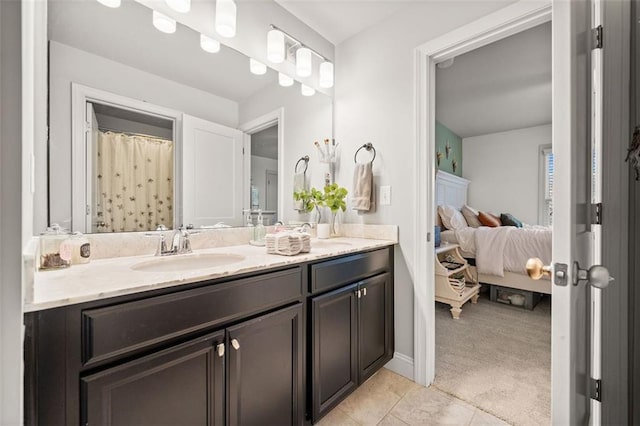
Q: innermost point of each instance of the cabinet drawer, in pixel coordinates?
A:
(116, 330)
(334, 273)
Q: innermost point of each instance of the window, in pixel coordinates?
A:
(545, 214)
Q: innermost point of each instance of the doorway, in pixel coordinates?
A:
(493, 323)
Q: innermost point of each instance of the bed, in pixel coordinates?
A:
(499, 254)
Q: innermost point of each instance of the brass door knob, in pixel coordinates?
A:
(536, 269)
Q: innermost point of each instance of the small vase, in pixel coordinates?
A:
(335, 226)
(323, 230)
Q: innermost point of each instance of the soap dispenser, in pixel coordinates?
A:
(260, 231)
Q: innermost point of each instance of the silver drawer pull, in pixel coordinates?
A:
(358, 293)
(235, 344)
(220, 349)
(364, 291)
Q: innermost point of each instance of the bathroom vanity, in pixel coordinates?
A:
(281, 344)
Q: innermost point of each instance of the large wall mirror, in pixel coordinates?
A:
(148, 129)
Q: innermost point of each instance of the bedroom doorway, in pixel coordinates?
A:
(583, 167)
(493, 210)
(576, 74)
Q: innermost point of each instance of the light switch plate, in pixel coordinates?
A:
(385, 195)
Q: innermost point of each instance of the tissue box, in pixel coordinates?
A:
(436, 234)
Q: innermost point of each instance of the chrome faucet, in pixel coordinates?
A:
(180, 243)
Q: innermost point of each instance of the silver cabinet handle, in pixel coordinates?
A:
(358, 293)
(220, 349)
(235, 344)
(364, 291)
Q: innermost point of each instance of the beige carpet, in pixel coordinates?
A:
(497, 358)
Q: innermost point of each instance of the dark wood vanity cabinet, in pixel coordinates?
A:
(351, 327)
(278, 347)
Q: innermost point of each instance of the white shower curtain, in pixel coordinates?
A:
(135, 182)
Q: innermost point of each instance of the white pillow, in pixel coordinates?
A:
(451, 217)
(471, 216)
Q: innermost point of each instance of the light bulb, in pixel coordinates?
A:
(326, 75)
(208, 44)
(307, 91)
(182, 6)
(303, 62)
(285, 80)
(226, 18)
(275, 46)
(257, 67)
(110, 3)
(163, 23)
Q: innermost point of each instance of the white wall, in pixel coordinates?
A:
(306, 119)
(374, 102)
(504, 171)
(10, 216)
(259, 167)
(68, 65)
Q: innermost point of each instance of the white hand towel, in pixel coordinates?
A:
(298, 185)
(362, 187)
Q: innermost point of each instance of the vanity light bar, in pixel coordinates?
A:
(110, 3)
(276, 53)
(182, 6)
(163, 23)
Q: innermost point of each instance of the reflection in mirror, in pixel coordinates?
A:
(131, 107)
(264, 173)
(132, 178)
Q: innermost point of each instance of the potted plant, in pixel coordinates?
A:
(333, 197)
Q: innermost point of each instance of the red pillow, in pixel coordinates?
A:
(487, 219)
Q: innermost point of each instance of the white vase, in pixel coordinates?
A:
(323, 230)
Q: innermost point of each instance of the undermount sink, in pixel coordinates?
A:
(187, 262)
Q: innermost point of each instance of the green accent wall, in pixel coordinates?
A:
(444, 135)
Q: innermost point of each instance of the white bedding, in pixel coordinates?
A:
(504, 248)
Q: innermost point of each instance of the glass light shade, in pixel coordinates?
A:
(285, 80)
(275, 46)
(226, 18)
(257, 67)
(110, 3)
(163, 23)
(303, 62)
(182, 6)
(208, 44)
(326, 75)
(307, 91)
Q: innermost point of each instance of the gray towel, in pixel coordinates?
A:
(362, 187)
(298, 185)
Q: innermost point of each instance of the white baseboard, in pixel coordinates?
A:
(402, 365)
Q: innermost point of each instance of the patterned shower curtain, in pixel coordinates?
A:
(135, 182)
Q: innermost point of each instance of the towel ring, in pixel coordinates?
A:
(306, 164)
(368, 146)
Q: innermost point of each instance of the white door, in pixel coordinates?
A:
(212, 170)
(574, 239)
(93, 223)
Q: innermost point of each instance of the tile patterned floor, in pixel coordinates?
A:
(387, 399)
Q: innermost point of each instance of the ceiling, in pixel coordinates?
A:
(338, 20)
(503, 86)
(125, 35)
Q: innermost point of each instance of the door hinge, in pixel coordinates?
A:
(596, 214)
(428, 237)
(88, 210)
(596, 389)
(596, 37)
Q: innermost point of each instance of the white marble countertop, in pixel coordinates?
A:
(104, 278)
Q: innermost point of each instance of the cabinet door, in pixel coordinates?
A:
(181, 385)
(375, 325)
(334, 348)
(265, 370)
